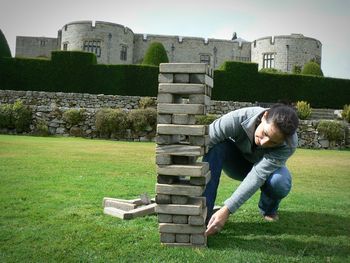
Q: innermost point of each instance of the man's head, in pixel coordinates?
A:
(277, 125)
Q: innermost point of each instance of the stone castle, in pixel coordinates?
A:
(117, 44)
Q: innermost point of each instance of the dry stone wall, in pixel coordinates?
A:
(49, 106)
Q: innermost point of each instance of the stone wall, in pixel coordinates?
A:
(50, 106)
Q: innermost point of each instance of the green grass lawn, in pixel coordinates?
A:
(51, 190)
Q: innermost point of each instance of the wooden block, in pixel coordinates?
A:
(195, 130)
(179, 199)
(120, 205)
(183, 119)
(163, 159)
(198, 99)
(136, 201)
(208, 91)
(178, 189)
(168, 108)
(163, 199)
(182, 150)
(165, 78)
(198, 239)
(182, 238)
(143, 210)
(181, 228)
(164, 118)
(116, 212)
(199, 169)
(184, 159)
(165, 98)
(165, 218)
(183, 89)
(167, 238)
(180, 219)
(201, 180)
(167, 179)
(201, 78)
(200, 219)
(199, 140)
(167, 139)
(189, 245)
(182, 78)
(176, 209)
(183, 68)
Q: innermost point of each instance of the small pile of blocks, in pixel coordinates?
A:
(184, 92)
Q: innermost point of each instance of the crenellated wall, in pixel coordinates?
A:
(49, 106)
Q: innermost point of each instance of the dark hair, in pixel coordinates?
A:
(284, 117)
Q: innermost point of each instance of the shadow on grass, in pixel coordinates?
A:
(295, 234)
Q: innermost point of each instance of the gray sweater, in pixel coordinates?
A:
(240, 126)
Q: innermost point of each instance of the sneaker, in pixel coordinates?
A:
(271, 218)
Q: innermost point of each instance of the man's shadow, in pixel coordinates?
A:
(288, 236)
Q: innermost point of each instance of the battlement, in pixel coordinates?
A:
(294, 36)
(98, 25)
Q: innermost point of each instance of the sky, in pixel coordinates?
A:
(325, 20)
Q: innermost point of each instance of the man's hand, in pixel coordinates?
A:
(217, 221)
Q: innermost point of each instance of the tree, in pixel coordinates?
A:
(4, 47)
(155, 55)
(312, 68)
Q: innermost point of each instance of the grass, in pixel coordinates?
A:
(51, 191)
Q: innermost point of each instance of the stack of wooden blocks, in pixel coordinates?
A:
(184, 92)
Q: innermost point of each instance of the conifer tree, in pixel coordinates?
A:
(4, 47)
(155, 55)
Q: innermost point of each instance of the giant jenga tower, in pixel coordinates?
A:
(184, 92)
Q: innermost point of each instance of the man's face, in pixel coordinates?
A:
(267, 134)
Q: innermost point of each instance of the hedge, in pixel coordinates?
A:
(242, 82)
(77, 72)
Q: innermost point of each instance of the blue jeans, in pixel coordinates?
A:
(226, 156)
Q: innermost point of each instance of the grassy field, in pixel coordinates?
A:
(51, 191)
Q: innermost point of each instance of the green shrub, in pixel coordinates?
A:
(296, 69)
(332, 130)
(346, 113)
(147, 102)
(303, 110)
(22, 116)
(312, 68)
(205, 119)
(141, 120)
(74, 116)
(6, 116)
(155, 55)
(41, 128)
(271, 70)
(4, 47)
(111, 123)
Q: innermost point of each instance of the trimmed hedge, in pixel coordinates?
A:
(77, 72)
(242, 82)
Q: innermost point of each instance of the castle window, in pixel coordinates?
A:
(205, 59)
(269, 60)
(65, 46)
(42, 43)
(124, 53)
(93, 46)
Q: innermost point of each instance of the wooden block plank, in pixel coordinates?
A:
(183, 68)
(183, 89)
(198, 239)
(179, 199)
(116, 212)
(165, 78)
(195, 130)
(164, 118)
(183, 119)
(189, 245)
(143, 210)
(188, 160)
(200, 219)
(178, 189)
(167, 139)
(179, 209)
(163, 159)
(199, 140)
(136, 201)
(182, 238)
(167, 238)
(183, 150)
(201, 180)
(181, 78)
(120, 205)
(165, 98)
(167, 179)
(197, 170)
(198, 99)
(180, 219)
(181, 228)
(168, 108)
(165, 218)
(202, 78)
(163, 199)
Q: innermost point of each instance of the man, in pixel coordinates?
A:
(251, 145)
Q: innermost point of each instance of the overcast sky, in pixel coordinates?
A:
(325, 20)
